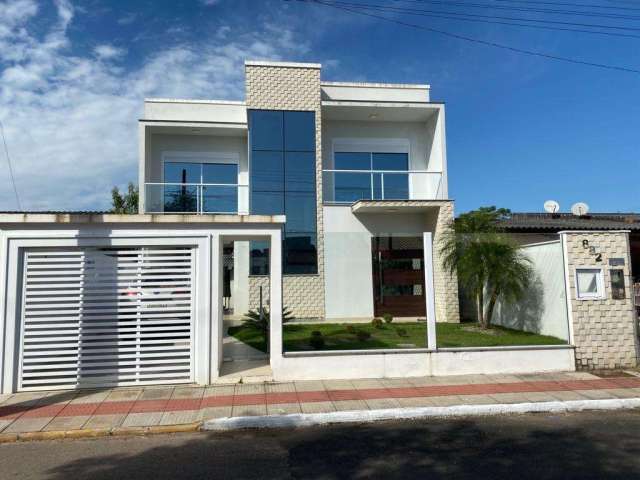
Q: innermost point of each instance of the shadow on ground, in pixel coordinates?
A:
(584, 446)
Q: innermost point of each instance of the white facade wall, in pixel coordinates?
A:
(195, 110)
(372, 92)
(348, 264)
(544, 308)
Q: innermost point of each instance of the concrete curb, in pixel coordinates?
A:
(98, 432)
(360, 416)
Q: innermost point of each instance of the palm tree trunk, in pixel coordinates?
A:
(492, 305)
(480, 308)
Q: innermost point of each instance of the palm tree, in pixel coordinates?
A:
(253, 319)
(486, 260)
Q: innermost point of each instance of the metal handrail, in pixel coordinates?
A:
(179, 184)
(199, 193)
(381, 171)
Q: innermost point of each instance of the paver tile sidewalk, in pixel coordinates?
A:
(152, 406)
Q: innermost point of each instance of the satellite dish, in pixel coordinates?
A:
(551, 206)
(579, 209)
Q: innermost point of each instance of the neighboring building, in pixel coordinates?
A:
(601, 257)
(358, 169)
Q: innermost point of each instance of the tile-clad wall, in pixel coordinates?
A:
(444, 283)
(604, 330)
(274, 87)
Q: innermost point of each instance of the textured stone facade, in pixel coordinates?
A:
(292, 87)
(604, 330)
(444, 283)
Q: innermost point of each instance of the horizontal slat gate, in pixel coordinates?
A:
(107, 317)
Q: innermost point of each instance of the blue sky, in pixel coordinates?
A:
(520, 129)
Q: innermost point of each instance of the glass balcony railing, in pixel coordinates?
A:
(348, 186)
(198, 198)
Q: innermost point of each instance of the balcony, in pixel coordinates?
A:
(196, 198)
(349, 186)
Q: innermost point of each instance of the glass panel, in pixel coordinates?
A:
(259, 257)
(396, 186)
(300, 255)
(265, 129)
(588, 282)
(300, 171)
(390, 161)
(182, 172)
(220, 173)
(300, 131)
(267, 171)
(267, 203)
(218, 199)
(300, 209)
(352, 161)
(617, 284)
(180, 198)
(350, 187)
(376, 178)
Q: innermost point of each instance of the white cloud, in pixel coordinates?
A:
(71, 121)
(107, 52)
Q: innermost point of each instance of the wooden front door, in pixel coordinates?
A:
(398, 276)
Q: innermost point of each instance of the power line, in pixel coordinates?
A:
(478, 41)
(13, 180)
(455, 15)
(581, 5)
(516, 8)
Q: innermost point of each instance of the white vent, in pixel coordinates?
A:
(106, 317)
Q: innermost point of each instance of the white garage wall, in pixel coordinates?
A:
(544, 309)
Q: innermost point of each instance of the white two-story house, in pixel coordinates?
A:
(358, 169)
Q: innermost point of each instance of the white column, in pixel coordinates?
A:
(216, 306)
(275, 291)
(240, 277)
(429, 293)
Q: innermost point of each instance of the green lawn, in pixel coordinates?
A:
(396, 335)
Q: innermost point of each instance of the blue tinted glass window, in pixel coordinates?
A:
(396, 186)
(300, 253)
(352, 161)
(351, 187)
(300, 171)
(390, 161)
(267, 203)
(182, 172)
(266, 129)
(300, 209)
(300, 131)
(180, 198)
(220, 173)
(267, 171)
(259, 252)
(219, 199)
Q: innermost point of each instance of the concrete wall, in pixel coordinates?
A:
(394, 363)
(374, 92)
(544, 308)
(195, 110)
(604, 331)
(292, 87)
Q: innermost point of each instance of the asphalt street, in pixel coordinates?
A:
(600, 445)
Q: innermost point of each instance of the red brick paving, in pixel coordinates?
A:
(40, 409)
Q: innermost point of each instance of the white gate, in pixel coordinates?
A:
(107, 317)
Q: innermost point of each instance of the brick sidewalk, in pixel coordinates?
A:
(179, 405)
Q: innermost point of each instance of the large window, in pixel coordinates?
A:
(200, 187)
(370, 176)
(283, 181)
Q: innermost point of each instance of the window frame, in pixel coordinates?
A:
(601, 294)
(232, 158)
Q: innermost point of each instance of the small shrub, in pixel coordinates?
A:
(316, 340)
(363, 335)
(402, 332)
(388, 318)
(376, 322)
(350, 329)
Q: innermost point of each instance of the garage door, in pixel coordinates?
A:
(106, 317)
